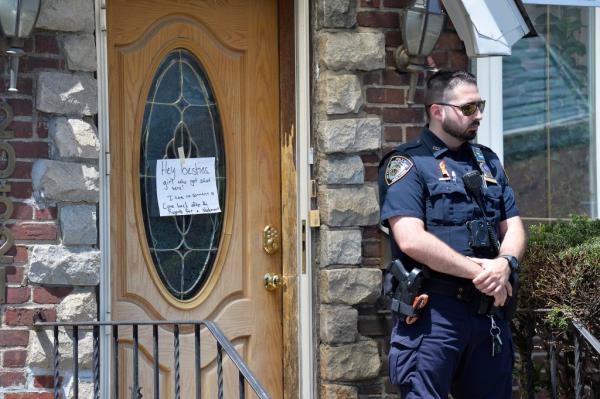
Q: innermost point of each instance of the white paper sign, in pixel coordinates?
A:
(186, 189)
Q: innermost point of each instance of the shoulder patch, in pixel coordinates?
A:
(397, 168)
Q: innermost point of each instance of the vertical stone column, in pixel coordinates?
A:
(344, 133)
(55, 191)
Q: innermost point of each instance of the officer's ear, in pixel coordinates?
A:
(436, 111)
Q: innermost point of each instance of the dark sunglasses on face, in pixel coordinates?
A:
(467, 109)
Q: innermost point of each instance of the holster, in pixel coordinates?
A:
(402, 286)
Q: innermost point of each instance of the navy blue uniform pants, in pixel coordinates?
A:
(449, 350)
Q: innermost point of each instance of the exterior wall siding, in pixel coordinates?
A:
(360, 350)
(54, 218)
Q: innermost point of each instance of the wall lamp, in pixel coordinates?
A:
(17, 19)
(421, 25)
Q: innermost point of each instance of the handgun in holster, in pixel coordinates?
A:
(402, 286)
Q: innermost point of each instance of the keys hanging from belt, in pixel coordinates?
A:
(496, 340)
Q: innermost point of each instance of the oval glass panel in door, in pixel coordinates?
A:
(181, 112)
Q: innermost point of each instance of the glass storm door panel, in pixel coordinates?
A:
(203, 77)
(549, 135)
(181, 114)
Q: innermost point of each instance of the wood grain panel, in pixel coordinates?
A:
(237, 44)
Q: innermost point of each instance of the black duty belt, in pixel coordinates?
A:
(463, 292)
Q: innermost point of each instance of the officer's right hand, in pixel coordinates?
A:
(501, 297)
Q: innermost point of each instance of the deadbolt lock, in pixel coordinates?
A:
(271, 240)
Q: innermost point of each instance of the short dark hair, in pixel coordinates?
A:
(440, 83)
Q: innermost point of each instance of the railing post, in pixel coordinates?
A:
(177, 375)
(75, 362)
(553, 371)
(136, 382)
(198, 367)
(96, 337)
(56, 364)
(220, 370)
(156, 369)
(530, 327)
(115, 337)
(577, 355)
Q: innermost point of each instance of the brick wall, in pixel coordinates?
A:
(37, 224)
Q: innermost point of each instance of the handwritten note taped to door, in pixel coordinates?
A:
(186, 189)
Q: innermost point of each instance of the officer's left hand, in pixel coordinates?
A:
(492, 279)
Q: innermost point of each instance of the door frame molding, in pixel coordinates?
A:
(294, 85)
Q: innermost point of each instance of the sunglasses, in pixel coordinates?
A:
(467, 109)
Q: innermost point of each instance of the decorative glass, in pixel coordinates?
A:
(181, 111)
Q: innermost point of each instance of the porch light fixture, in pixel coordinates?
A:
(17, 19)
(421, 25)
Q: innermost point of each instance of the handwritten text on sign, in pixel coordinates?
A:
(187, 189)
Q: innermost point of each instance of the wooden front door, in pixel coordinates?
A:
(198, 78)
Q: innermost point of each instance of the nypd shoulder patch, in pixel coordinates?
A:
(397, 168)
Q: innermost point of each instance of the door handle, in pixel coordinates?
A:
(273, 281)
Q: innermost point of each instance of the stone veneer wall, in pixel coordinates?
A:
(55, 190)
(360, 113)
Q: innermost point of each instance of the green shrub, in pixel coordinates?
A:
(561, 271)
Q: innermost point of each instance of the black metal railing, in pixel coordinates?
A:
(223, 345)
(572, 368)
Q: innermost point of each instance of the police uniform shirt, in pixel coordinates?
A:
(423, 179)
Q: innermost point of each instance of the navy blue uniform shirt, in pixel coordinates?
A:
(423, 179)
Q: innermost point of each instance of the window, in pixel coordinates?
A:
(542, 118)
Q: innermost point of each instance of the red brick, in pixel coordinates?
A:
(17, 294)
(390, 60)
(370, 158)
(372, 110)
(458, 60)
(370, 3)
(14, 274)
(439, 59)
(46, 44)
(29, 395)
(22, 211)
(449, 41)
(43, 381)
(393, 39)
(25, 317)
(396, 3)
(394, 78)
(42, 128)
(371, 232)
(24, 85)
(46, 213)
(371, 173)
(14, 358)
(14, 337)
(34, 231)
(374, 19)
(21, 254)
(412, 132)
(393, 133)
(21, 129)
(50, 295)
(22, 190)
(371, 249)
(22, 170)
(372, 78)
(36, 149)
(388, 96)
(403, 115)
(21, 106)
(12, 378)
(30, 63)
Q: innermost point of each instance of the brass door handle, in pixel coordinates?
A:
(273, 281)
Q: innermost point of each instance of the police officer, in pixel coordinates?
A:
(461, 341)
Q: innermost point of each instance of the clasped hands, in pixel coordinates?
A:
(493, 279)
